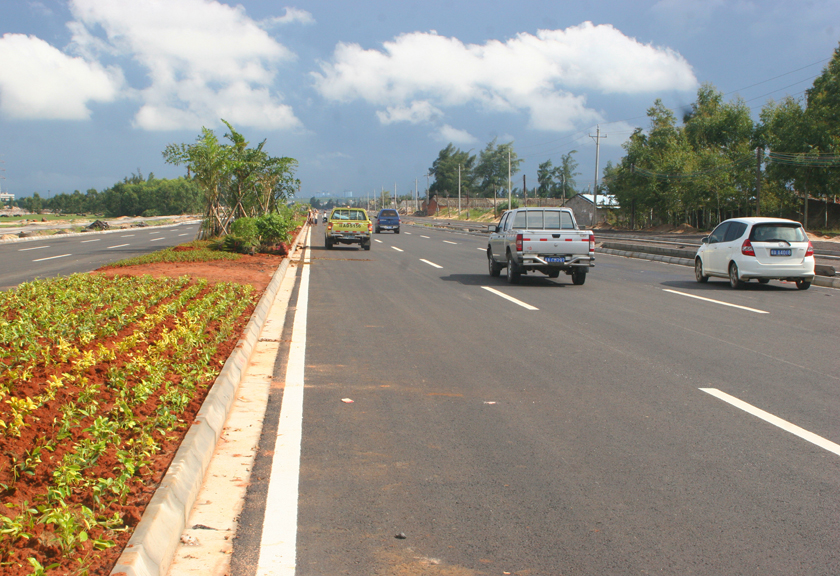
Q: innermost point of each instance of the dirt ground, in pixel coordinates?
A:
(255, 270)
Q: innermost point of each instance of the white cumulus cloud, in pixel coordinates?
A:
(291, 15)
(546, 74)
(39, 81)
(447, 133)
(419, 111)
(205, 60)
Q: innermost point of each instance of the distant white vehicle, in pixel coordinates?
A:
(763, 249)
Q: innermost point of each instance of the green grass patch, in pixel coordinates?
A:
(197, 251)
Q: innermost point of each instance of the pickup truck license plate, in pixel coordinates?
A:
(780, 252)
(555, 260)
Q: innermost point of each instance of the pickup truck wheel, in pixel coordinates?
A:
(377, 229)
(513, 272)
(493, 268)
(578, 277)
(366, 245)
(328, 243)
(397, 231)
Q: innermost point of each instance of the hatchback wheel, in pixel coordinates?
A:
(698, 271)
(734, 280)
(803, 284)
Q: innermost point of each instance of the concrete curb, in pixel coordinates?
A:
(152, 546)
(823, 281)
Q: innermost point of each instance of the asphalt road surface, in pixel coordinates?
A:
(62, 255)
(639, 424)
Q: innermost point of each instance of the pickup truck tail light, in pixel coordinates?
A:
(370, 226)
(329, 227)
(519, 242)
(592, 242)
(747, 248)
(810, 250)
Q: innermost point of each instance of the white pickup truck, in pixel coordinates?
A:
(544, 239)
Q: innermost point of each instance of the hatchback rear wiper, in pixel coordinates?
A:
(777, 240)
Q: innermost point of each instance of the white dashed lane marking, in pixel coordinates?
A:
(775, 420)
(715, 301)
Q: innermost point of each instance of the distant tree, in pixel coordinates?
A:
(445, 171)
(494, 164)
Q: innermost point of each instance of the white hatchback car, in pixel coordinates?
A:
(763, 249)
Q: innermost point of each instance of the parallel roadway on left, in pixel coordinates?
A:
(62, 255)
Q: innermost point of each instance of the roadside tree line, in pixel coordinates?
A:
(486, 174)
(134, 196)
(720, 163)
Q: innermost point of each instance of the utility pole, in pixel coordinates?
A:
(563, 179)
(524, 191)
(597, 139)
(415, 195)
(510, 203)
(758, 182)
(394, 201)
(459, 191)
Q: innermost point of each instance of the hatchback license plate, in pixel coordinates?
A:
(553, 260)
(780, 252)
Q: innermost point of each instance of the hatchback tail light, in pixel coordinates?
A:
(519, 242)
(747, 248)
(810, 250)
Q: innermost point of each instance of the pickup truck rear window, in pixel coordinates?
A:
(543, 220)
(388, 213)
(348, 215)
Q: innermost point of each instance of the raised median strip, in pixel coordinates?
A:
(152, 546)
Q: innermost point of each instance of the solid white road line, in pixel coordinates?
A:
(279, 534)
(511, 298)
(377, 240)
(430, 263)
(35, 248)
(448, 242)
(421, 236)
(183, 234)
(409, 233)
(482, 249)
(716, 301)
(775, 420)
(51, 258)
(156, 239)
(117, 246)
(397, 249)
(94, 240)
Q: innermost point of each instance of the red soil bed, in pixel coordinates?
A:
(256, 270)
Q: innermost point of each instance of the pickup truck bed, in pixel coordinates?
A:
(540, 239)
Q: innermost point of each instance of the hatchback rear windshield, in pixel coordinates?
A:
(778, 233)
(348, 215)
(388, 213)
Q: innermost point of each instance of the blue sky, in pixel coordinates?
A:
(364, 94)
